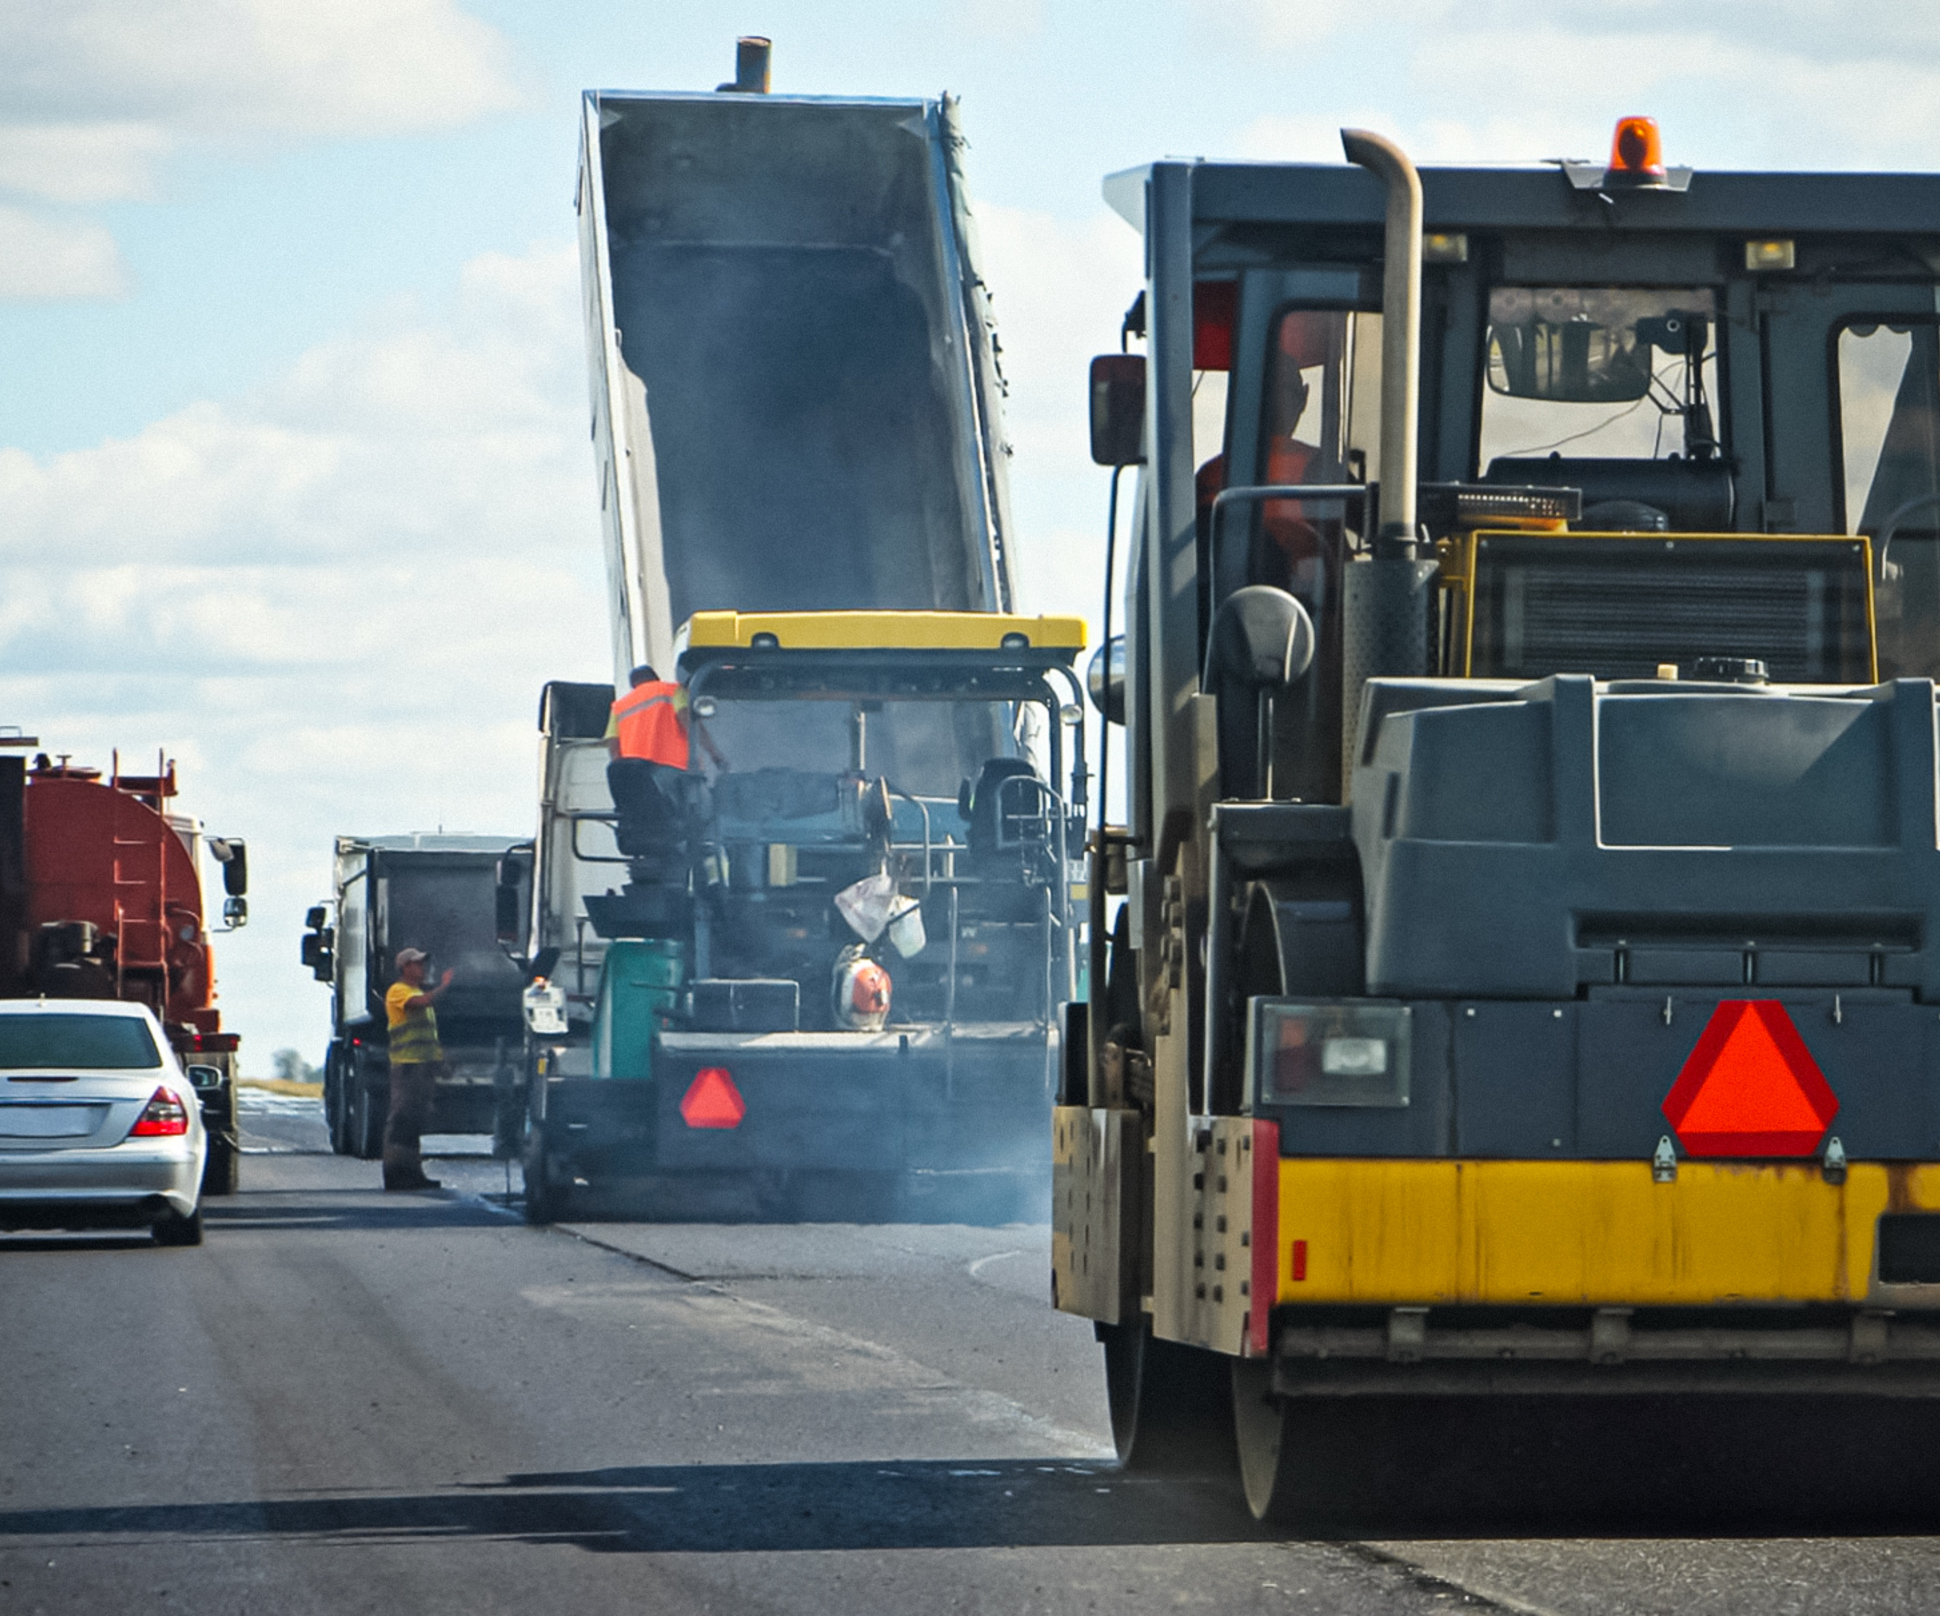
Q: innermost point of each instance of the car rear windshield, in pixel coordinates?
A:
(117, 1042)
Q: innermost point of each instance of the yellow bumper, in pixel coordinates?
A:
(1601, 1233)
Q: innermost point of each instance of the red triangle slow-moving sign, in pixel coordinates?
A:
(712, 1100)
(1751, 1087)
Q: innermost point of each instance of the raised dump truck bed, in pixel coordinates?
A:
(795, 389)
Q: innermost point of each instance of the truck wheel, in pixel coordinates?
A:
(172, 1229)
(508, 1123)
(368, 1109)
(335, 1104)
(543, 1202)
(221, 1173)
(1171, 1405)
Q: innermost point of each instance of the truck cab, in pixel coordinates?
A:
(455, 897)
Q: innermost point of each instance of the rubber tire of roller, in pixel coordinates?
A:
(1171, 1405)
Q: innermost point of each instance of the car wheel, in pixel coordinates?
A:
(172, 1229)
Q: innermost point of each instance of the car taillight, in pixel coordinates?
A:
(163, 1117)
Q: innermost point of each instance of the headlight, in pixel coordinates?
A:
(1328, 1054)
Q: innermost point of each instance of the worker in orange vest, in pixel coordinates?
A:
(648, 733)
(650, 721)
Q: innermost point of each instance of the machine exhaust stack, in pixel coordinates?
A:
(751, 54)
(1400, 335)
(1386, 597)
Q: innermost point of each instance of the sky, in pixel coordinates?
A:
(295, 481)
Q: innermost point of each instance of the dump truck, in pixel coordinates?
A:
(796, 416)
(101, 898)
(452, 896)
(1525, 973)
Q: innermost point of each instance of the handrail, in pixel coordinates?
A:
(1255, 494)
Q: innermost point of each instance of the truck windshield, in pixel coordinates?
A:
(75, 1042)
(926, 748)
(1611, 371)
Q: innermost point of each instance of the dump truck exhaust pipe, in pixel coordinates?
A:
(1388, 591)
(751, 57)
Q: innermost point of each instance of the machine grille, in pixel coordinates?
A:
(1617, 607)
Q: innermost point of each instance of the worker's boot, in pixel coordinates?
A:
(404, 1170)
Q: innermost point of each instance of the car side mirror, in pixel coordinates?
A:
(206, 1077)
(1118, 409)
(542, 964)
(235, 913)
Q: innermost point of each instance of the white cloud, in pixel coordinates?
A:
(1792, 84)
(49, 257)
(82, 162)
(95, 95)
(239, 67)
(334, 601)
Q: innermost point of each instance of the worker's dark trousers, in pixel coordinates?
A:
(412, 1083)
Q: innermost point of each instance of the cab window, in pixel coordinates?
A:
(1889, 442)
(1612, 372)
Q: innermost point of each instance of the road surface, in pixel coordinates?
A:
(346, 1401)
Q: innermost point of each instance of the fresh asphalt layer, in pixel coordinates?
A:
(347, 1401)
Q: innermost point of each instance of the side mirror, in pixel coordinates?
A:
(233, 856)
(1105, 680)
(542, 964)
(235, 913)
(317, 917)
(1118, 409)
(508, 911)
(206, 1077)
(319, 951)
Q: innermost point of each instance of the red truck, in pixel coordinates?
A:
(101, 898)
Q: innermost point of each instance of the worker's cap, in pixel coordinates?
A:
(643, 675)
(406, 956)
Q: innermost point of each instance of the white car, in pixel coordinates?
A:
(100, 1126)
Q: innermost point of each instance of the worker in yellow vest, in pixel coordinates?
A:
(416, 1058)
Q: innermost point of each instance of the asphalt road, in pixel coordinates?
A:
(346, 1401)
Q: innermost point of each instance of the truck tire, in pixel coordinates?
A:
(369, 1107)
(222, 1172)
(1171, 1405)
(334, 1107)
(508, 1122)
(545, 1202)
